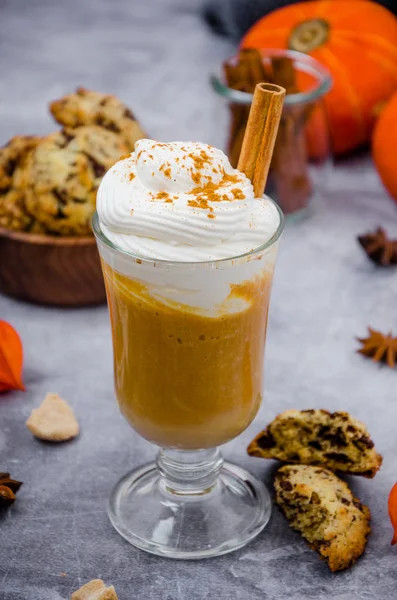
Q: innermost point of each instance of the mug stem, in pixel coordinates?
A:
(189, 473)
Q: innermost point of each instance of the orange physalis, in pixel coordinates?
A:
(393, 512)
(11, 358)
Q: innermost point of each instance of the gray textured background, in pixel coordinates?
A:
(156, 55)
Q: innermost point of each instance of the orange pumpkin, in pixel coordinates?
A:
(384, 144)
(356, 40)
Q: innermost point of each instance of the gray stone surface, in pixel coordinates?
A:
(157, 55)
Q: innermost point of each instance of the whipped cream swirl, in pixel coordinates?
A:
(182, 201)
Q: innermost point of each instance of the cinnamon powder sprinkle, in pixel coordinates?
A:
(199, 160)
(211, 192)
(196, 177)
(125, 156)
(196, 204)
(162, 196)
(166, 169)
(211, 216)
(231, 178)
(131, 176)
(238, 194)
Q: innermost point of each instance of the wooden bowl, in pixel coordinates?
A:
(50, 270)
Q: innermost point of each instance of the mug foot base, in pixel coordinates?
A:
(175, 525)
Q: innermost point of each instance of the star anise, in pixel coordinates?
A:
(8, 489)
(379, 248)
(379, 347)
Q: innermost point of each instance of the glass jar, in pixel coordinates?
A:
(302, 155)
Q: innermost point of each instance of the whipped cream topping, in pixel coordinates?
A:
(182, 201)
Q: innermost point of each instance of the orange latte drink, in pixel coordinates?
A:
(188, 256)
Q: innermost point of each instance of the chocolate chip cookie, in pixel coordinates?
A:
(13, 157)
(63, 174)
(318, 437)
(323, 509)
(86, 107)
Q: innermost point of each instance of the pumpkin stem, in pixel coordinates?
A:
(309, 35)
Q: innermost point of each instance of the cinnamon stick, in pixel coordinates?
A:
(284, 73)
(236, 76)
(238, 121)
(251, 61)
(260, 134)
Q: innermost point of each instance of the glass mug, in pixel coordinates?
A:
(188, 343)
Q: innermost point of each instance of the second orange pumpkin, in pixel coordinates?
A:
(356, 40)
(384, 143)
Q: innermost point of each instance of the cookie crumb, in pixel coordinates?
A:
(95, 590)
(53, 421)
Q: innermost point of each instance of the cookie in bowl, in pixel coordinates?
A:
(13, 158)
(63, 174)
(48, 187)
(11, 155)
(86, 107)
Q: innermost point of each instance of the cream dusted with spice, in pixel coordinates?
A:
(182, 201)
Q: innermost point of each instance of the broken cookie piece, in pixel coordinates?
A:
(318, 437)
(95, 590)
(323, 509)
(53, 421)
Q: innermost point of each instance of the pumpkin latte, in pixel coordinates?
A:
(188, 319)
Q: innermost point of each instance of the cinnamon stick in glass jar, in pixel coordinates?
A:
(289, 176)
